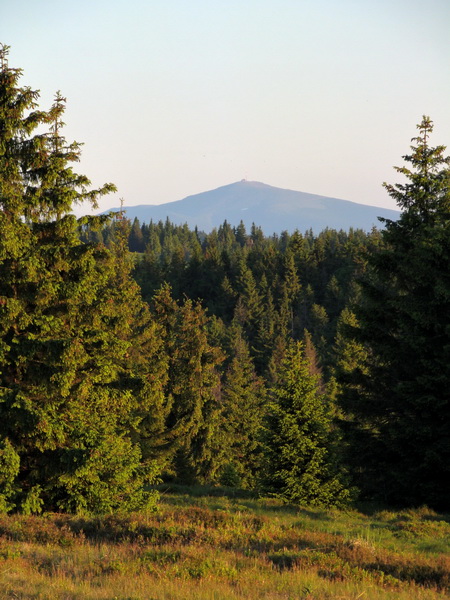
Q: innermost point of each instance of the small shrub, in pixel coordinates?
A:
(161, 557)
(284, 559)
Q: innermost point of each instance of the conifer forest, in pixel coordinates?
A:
(309, 367)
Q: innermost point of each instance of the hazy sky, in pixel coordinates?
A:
(176, 97)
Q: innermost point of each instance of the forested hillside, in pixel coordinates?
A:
(311, 367)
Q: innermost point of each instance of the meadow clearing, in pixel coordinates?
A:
(216, 547)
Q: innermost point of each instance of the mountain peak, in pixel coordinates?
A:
(271, 208)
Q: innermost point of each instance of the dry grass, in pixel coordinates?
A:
(217, 548)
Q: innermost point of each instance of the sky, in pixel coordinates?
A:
(176, 97)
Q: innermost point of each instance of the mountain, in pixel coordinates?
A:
(271, 208)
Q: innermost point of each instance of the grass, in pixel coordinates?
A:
(217, 548)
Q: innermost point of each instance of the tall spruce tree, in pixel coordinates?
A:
(72, 390)
(242, 414)
(192, 388)
(398, 399)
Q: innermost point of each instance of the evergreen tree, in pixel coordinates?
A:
(242, 414)
(399, 396)
(192, 387)
(267, 333)
(249, 306)
(136, 241)
(241, 234)
(70, 319)
(290, 290)
(300, 466)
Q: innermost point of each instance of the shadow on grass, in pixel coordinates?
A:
(171, 492)
(202, 491)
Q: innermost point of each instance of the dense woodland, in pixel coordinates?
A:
(314, 367)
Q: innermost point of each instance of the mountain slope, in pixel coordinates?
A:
(271, 208)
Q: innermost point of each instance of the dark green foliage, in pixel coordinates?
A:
(398, 394)
(192, 388)
(136, 242)
(275, 287)
(9, 469)
(242, 415)
(300, 466)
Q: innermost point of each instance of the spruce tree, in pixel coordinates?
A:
(71, 326)
(398, 397)
(243, 411)
(300, 463)
(192, 388)
(136, 241)
(249, 307)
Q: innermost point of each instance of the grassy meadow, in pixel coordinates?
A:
(218, 547)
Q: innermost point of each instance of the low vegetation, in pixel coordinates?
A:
(218, 547)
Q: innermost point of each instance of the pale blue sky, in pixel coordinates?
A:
(175, 97)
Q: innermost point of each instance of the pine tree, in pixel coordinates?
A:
(399, 396)
(300, 466)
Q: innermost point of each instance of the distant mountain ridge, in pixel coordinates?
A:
(271, 208)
